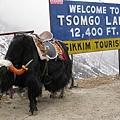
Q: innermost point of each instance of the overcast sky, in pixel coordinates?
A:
(30, 14)
(26, 14)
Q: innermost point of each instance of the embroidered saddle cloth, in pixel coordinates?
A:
(48, 47)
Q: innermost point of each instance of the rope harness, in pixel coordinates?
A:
(47, 78)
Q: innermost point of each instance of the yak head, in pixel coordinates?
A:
(7, 72)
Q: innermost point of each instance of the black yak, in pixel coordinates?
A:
(54, 74)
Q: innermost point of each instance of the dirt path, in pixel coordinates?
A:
(94, 99)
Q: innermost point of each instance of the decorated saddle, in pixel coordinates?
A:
(48, 47)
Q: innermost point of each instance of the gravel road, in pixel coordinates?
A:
(93, 99)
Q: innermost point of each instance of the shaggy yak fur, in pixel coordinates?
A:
(54, 74)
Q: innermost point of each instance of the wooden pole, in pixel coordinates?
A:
(19, 32)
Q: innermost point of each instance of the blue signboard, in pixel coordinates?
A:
(76, 20)
(86, 26)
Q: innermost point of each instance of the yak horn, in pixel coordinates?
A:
(18, 71)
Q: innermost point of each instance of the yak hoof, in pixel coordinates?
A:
(53, 94)
(32, 113)
(62, 96)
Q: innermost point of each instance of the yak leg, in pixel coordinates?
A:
(62, 93)
(33, 108)
(11, 93)
(53, 94)
(33, 92)
(40, 96)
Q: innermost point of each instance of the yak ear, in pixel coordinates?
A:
(3, 70)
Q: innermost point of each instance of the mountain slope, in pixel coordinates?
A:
(96, 64)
